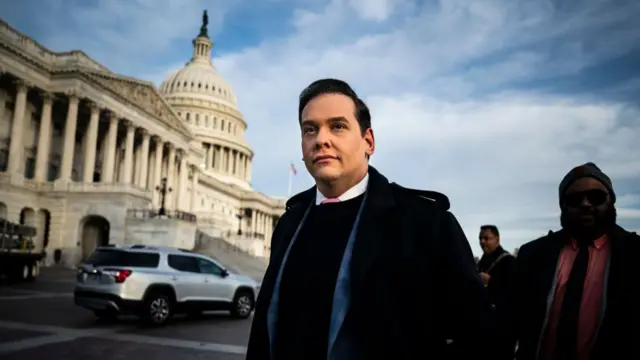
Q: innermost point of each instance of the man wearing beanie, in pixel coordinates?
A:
(572, 293)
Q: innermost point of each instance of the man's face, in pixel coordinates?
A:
(489, 242)
(587, 207)
(332, 141)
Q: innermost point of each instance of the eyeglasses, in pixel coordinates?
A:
(595, 198)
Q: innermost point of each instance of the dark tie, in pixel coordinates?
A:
(567, 335)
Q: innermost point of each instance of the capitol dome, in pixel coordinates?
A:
(208, 106)
(199, 79)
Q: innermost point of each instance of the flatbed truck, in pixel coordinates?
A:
(18, 259)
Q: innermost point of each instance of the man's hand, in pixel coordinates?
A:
(485, 278)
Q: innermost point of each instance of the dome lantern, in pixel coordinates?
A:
(202, 45)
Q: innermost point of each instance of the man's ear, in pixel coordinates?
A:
(369, 138)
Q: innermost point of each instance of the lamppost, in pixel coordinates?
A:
(163, 189)
(240, 215)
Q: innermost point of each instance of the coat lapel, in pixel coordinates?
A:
(282, 238)
(362, 248)
(371, 230)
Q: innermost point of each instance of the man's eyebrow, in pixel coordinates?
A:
(337, 118)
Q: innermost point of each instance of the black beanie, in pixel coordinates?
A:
(587, 170)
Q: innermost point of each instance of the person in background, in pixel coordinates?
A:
(362, 268)
(496, 265)
(574, 294)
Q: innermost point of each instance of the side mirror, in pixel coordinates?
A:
(224, 273)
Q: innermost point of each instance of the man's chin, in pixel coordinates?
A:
(326, 173)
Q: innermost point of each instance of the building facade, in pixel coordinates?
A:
(82, 149)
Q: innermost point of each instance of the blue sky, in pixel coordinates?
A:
(489, 102)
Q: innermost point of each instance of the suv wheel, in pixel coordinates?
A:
(158, 308)
(242, 304)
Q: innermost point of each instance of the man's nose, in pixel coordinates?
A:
(323, 137)
(585, 202)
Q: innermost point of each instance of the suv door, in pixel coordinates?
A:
(219, 287)
(187, 280)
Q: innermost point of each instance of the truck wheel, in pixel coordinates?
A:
(34, 271)
(26, 273)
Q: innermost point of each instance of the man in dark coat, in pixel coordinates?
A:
(362, 268)
(575, 291)
(496, 266)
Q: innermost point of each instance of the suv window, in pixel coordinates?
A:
(184, 263)
(208, 267)
(113, 257)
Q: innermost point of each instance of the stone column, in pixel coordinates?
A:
(249, 169)
(218, 163)
(171, 170)
(210, 161)
(254, 221)
(144, 159)
(66, 165)
(44, 139)
(128, 154)
(194, 187)
(136, 161)
(157, 167)
(236, 163)
(90, 144)
(259, 223)
(16, 147)
(267, 235)
(182, 178)
(109, 153)
(243, 161)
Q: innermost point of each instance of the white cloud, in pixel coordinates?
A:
(453, 85)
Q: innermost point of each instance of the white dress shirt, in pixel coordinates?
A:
(354, 192)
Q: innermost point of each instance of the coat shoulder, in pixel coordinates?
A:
(432, 199)
(534, 246)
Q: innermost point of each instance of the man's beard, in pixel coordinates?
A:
(604, 223)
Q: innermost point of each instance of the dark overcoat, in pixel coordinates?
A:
(413, 279)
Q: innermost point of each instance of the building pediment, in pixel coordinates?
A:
(142, 95)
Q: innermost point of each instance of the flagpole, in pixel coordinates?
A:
(290, 182)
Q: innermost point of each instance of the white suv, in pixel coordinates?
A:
(155, 283)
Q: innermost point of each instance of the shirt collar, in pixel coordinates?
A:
(354, 192)
(597, 243)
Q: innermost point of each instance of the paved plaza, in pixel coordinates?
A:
(39, 321)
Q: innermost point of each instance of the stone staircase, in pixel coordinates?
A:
(231, 256)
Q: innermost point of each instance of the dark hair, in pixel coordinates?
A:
(335, 86)
(492, 228)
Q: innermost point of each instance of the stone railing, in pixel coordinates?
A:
(155, 214)
(76, 187)
(105, 188)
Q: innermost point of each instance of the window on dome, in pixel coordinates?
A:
(197, 120)
(192, 84)
(215, 120)
(199, 85)
(206, 120)
(188, 117)
(213, 88)
(206, 87)
(185, 84)
(222, 124)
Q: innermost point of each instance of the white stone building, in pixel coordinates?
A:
(83, 151)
